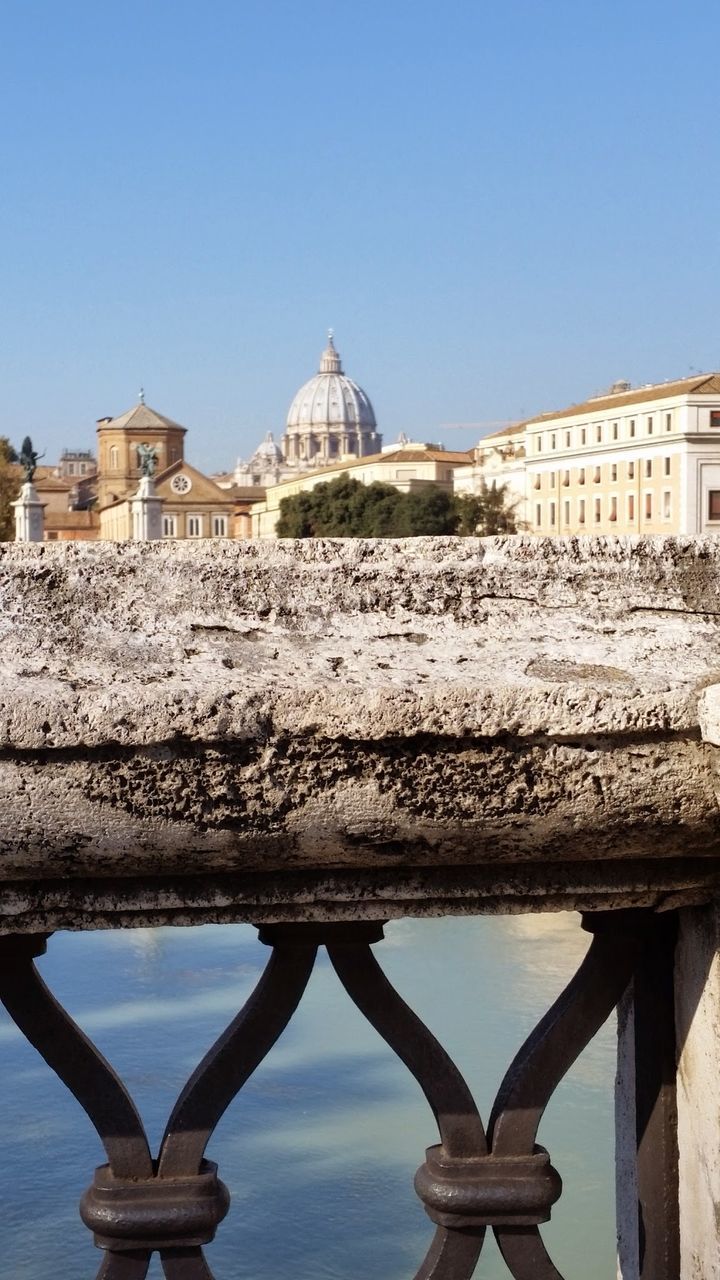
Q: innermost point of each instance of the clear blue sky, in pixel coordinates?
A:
(500, 208)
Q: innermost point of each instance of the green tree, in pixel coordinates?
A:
(346, 508)
(430, 511)
(342, 508)
(9, 488)
(487, 512)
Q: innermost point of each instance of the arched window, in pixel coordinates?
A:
(114, 458)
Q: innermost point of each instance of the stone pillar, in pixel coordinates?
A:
(626, 1188)
(697, 1004)
(646, 1111)
(669, 1082)
(29, 519)
(146, 510)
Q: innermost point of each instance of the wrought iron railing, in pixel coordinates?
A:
(476, 1177)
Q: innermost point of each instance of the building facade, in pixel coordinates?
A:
(409, 467)
(76, 464)
(192, 507)
(635, 460)
(498, 460)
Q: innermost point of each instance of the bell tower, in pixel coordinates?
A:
(119, 468)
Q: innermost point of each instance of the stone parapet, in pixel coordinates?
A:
(261, 730)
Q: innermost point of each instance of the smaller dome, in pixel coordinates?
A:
(268, 452)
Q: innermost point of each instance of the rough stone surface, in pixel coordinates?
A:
(382, 709)
(697, 997)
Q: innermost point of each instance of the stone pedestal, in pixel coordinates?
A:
(29, 518)
(146, 510)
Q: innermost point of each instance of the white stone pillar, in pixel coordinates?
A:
(29, 518)
(697, 1006)
(146, 510)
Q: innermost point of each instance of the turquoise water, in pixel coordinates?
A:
(320, 1148)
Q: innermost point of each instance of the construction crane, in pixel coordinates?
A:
(475, 426)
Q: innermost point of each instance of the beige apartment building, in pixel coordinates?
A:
(635, 460)
(406, 466)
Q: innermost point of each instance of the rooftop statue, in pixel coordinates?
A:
(147, 458)
(29, 459)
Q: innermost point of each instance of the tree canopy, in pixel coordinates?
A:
(9, 487)
(346, 508)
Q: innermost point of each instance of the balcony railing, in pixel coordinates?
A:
(321, 737)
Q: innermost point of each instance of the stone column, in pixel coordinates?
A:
(146, 510)
(697, 1004)
(29, 518)
(646, 1110)
(668, 1082)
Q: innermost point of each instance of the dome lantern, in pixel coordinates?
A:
(330, 360)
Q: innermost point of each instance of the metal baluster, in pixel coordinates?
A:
(549, 1052)
(73, 1057)
(453, 1253)
(165, 1199)
(468, 1182)
(185, 1264)
(124, 1266)
(222, 1073)
(233, 1058)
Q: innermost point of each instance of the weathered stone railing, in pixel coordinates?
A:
(318, 736)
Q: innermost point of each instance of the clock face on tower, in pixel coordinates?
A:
(181, 483)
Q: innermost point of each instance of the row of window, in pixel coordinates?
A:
(648, 471)
(607, 507)
(605, 432)
(195, 526)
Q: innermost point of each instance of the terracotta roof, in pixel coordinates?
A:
(141, 418)
(243, 492)
(705, 384)
(457, 457)
(506, 431)
(52, 484)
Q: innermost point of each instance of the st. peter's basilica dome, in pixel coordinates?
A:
(331, 398)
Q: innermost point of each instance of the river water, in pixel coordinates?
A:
(320, 1148)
